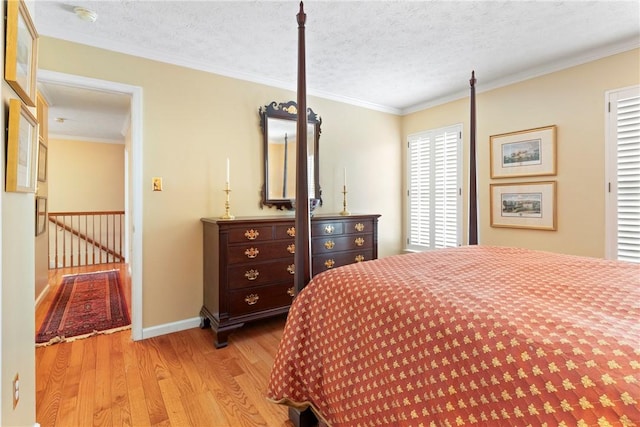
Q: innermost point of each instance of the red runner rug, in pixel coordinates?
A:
(85, 305)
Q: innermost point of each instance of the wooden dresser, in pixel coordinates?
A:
(248, 263)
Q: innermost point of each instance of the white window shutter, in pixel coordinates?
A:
(420, 155)
(434, 179)
(624, 175)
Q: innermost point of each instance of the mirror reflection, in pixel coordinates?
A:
(279, 125)
(281, 183)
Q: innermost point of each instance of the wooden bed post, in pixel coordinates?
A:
(473, 197)
(302, 256)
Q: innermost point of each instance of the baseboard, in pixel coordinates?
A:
(42, 295)
(169, 328)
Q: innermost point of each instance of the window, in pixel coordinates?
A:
(434, 188)
(623, 174)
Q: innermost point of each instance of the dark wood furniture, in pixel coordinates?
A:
(249, 263)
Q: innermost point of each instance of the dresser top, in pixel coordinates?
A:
(287, 218)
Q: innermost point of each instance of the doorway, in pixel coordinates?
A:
(132, 179)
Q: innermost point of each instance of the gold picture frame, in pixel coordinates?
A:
(530, 152)
(41, 215)
(22, 141)
(21, 52)
(42, 162)
(524, 205)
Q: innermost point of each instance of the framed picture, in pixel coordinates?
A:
(22, 141)
(524, 205)
(41, 215)
(42, 162)
(21, 52)
(525, 153)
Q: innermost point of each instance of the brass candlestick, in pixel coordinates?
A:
(227, 215)
(344, 212)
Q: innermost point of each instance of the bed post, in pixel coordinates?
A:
(303, 228)
(473, 196)
(302, 255)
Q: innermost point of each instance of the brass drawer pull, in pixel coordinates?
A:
(291, 231)
(329, 229)
(329, 263)
(252, 274)
(329, 244)
(359, 226)
(359, 258)
(291, 268)
(359, 241)
(252, 252)
(251, 299)
(291, 248)
(251, 234)
(291, 291)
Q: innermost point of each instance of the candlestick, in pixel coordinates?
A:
(344, 181)
(344, 212)
(227, 215)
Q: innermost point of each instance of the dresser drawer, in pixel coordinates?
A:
(256, 274)
(328, 261)
(250, 234)
(341, 243)
(326, 228)
(285, 232)
(356, 227)
(252, 300)
(260, 251)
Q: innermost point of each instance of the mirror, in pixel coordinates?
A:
(279, 128)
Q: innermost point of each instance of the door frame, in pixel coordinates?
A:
(133, 182)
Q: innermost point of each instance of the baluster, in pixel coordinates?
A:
(100, 232)
(120, 234)
(106, 217)
(86, 248)
(56, 241)
(93, 236)
(64, 241)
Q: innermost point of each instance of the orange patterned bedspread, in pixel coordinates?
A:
(466, 337)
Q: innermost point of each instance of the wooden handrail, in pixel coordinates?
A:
(85, 232)
(86, 213)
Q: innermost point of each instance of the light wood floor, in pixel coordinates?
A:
(177, 379)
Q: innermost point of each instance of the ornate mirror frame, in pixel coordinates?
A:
(289, 112)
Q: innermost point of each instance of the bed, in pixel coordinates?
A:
(466, 336)
(475, 335)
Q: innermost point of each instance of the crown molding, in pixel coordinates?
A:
(552, 67)
(85, 139)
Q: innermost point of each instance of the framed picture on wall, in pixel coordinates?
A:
(529, 152)
(524, 205)
(21, 52)
(41, 215)
(22, 141)
(42, 162)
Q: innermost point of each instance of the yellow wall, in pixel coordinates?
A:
(574, 101)
(85, 176)
(42, 240)
(17, 278)
(193, 121)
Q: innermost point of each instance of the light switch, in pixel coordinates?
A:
(157, 183)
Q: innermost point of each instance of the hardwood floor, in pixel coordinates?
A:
(178, 379)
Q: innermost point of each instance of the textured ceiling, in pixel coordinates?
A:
(394, 56)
